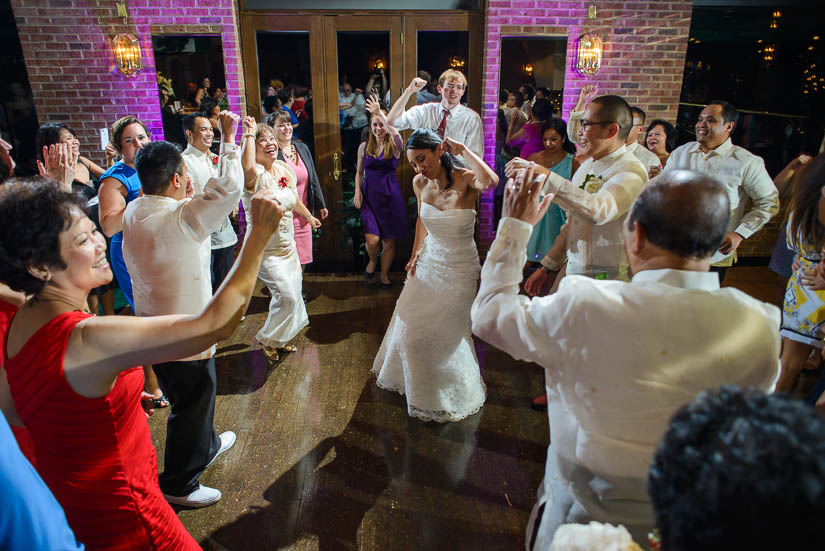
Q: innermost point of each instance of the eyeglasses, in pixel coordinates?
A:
(585, 124)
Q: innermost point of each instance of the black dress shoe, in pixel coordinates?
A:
(385, 286)
(368, 275)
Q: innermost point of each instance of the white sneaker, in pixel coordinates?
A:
(227, 441)
(202, 497)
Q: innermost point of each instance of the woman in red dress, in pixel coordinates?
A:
(76, 379)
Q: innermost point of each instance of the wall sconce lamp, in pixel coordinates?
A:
(527, 69)
(456, 62)
(379, 64)
(127, 54)
(589, 58)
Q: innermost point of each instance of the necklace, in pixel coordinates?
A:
(291, 154)
(554, 163)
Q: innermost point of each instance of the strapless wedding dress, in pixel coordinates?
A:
(427, 353)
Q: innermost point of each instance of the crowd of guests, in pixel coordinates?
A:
(648, 441)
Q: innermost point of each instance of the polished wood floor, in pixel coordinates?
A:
(325, 460)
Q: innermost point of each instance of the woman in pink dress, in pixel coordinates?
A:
(296, 154)
(529, 137)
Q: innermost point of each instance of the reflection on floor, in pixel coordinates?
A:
(325, 460)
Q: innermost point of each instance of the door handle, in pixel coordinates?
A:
(336, 166)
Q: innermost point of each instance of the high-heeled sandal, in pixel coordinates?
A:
(289, 348)
(271, 353)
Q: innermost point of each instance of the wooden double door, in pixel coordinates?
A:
(327, 52)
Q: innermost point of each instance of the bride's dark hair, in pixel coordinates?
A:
(427, 139)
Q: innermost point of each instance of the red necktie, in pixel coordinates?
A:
(443, 126)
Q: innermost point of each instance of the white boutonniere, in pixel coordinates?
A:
(592, 183)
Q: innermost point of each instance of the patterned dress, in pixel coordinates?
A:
(803, 314)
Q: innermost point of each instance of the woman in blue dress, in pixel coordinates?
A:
(557, 155)
(119, 186)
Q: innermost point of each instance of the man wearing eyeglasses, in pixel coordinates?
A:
(448, 119)
(597, 199)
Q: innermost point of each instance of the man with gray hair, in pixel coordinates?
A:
(620, 357)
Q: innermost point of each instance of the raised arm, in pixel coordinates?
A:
(604, 202)
(574, 122)
(250, 174)
(527, 329)
(400, 104)
(484, 177)
(206, 211)
(111, 205)
(100, 348)
(373, 107)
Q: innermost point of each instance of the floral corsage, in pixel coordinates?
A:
(592, 183)
(283, 181)
(215, 160)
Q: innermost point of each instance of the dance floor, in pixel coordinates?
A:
(325, 460)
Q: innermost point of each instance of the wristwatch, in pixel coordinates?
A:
(546, 270)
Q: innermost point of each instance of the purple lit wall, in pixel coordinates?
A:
(644, 56)
(71, 67)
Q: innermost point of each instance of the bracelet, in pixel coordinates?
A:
(245, 136)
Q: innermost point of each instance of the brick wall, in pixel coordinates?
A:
(67, 48)
(644, 54)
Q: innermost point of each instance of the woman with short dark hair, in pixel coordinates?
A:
(76, 379)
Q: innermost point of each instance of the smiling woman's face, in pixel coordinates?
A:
(83, 249)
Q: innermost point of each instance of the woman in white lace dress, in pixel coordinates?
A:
(428, 353)
(280, 268)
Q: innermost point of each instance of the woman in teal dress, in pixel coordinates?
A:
(557, 155)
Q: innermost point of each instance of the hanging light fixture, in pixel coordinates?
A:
(589, 59)
(527, 69)
(456, 62)
(128, 56)
(379, 64)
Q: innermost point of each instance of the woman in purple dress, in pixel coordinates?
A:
(378, 194)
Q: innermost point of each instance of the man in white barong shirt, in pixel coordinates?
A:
(620, 357)
(448, 118)
(167, 247)
(741, 172)
(597, 199)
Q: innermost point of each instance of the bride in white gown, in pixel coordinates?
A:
(427, 353)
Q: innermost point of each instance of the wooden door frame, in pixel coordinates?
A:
(323, 27)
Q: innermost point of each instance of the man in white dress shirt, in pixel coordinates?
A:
(166, 244)
(646, 156)
(447, 119)
(741, 172)
(620, 357)
(597, 199)
(201, 165)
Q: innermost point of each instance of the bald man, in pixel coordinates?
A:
(620, 358)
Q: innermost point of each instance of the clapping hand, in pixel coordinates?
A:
(58, 164)
(521, 197)
(814, 278)
(517, 163)
(452, 147)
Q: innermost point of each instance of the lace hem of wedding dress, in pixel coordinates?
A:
(439, 416)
